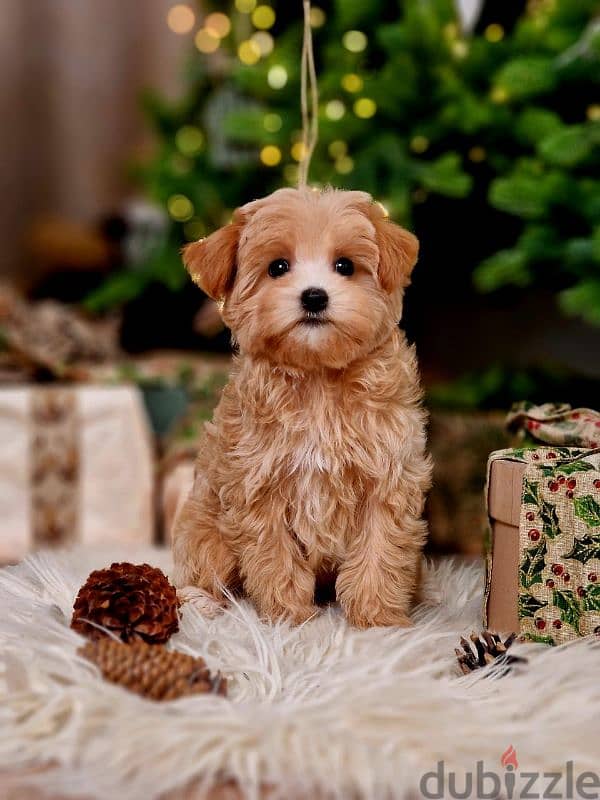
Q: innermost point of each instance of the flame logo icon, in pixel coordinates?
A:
(509, 758)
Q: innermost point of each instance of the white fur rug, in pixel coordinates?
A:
(322, 707)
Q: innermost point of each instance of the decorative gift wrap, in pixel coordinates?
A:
(556, 423)
(76, 464)
(543, 576)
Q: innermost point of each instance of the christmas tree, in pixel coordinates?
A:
(500, 120)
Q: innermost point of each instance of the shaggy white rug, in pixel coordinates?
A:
(321, 708)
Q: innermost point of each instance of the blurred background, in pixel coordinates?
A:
(132, 128)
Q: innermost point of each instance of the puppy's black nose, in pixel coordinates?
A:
(314, 299)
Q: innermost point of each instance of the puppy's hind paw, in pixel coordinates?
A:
(203, 602)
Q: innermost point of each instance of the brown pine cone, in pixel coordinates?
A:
(133, 601)
(152, 671)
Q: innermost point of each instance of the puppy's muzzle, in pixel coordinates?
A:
(314, 299)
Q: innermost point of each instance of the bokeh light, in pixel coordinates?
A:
(245, 6)
(189, 140)
(337, 148)
(355, 41)
(263, 17)
(419, 144)
(249, 52)
(499, 94)
(298, 151)
(277, 77)
(352, 82)
(335, 110)
(218, 24)
(181, 18)
(477, 154)
(270, 155)
(459, 49)
(317, 17)
(593, 112)
(272, 123)
(180, 207)
(206, 42)
(365, 108)
(344, 165)
(494, 32)
(264, 42)
(290, 173)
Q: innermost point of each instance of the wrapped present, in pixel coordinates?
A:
(556, 423)
(76, 465)
(543, 577)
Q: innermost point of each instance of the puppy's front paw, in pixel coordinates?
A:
(362, 618)
(200, 600)
(295, 615)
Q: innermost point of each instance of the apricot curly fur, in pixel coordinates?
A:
(315, 461)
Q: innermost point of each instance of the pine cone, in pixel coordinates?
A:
(152, 671)
(133, 601)
(488, 648)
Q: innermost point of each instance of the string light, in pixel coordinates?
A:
(277, 77)
(180, 207)
(335, 110)
(249, 52)
(418, 144)
(298, 151)
(245, 6)
(263, 17)
(494, 32)
(337, 148)
(365, 108)
(477, 154)
(355, 41)
(344, 165)
(459, 49)
(317, 17)
(264, 42)
(270, 155)
(189, 140)
(451, 30)
(272, 123)
(181, 18)
(218, 24)
(352, 82)
(206, 42)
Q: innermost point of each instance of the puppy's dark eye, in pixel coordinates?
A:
(278, 267)
(344, 266)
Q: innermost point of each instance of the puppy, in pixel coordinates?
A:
(314, 463)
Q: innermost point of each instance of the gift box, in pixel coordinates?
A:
(177, 484)
(543, 576)
(76, 465)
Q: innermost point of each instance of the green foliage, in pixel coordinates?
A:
(506, 117)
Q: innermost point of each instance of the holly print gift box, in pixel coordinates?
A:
(543, 577)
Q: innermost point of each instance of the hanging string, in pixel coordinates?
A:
(310, 112)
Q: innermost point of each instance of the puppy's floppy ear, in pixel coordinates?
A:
(211, 262)
(398, 250)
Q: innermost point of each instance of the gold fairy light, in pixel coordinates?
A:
(180, 207)
(335, 110)
(298, 151)
(218, 24)
(263, 17)
(352, 82)
(354, 41)
(494, 32)
(277, 76)
(365, 108)
(264, 42)
(499, 94)
(337, 148)
(317, 17)
(181, 18)
(245, 6)
(248, 52)
(593, 112)
(418, 144)
(344, 165)
(270, 155)
(477, 154)
(206, 42)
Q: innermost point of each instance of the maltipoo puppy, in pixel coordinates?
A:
(314, 464)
